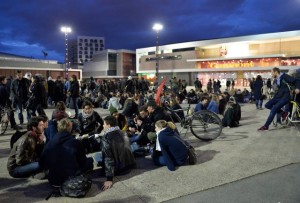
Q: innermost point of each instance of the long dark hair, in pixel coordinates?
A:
(2, 78)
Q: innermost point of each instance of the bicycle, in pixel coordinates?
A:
(294, 116)
(4, 115)
(204, 125)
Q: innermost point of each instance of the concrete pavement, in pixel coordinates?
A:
(224, 167)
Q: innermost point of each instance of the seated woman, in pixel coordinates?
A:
(174, 103)
(90, 122)
(232, 114)
(170, 149)
(213, 104)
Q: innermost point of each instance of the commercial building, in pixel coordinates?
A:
(111, 64)
(9, 64)
(238, 58)
(83, 48)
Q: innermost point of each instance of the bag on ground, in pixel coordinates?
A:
(192, 155)
(77, 186)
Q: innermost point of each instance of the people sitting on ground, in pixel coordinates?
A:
(239, 96)
(170, 149)
(213, 104)
(114, 101)
(117, 157)
(222, 104)
(23, 158)
(58, 114)
(191, 95)
(64, 156)
(155, 113)
(175, 106)
(90, 123)
(130, 107)
(202, 104)
(121, 119)
(232, 114)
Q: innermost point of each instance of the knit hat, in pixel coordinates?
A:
(112, 110)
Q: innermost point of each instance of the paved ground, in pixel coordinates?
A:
(242, 165)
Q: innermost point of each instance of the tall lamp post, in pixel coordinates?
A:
(157, 27)
(66, 30)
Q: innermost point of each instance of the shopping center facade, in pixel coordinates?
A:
(237, 58)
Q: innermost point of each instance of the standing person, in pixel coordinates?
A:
(198, 85)
(209, 86)
(59, 90)
(38, 92)
(6, 103)
(74, 93)
(67, 86)
(19, 93)
(232, 84)
(23, 158)
(228, 83)
(170, 150)
(258, 84)
(116, 152)
(129, 85)
(281, 97)
(144, 86)
(64, 156)
(51, 87)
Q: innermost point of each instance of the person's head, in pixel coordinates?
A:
(61, 106)
(3, 79)
(204, 100)
(160, 124)
(64, 125)
(144, 112)
(45, 119)
(275, 72)
(73, 78)
(27, 76)
(19, 75)
(151, 105)
(109, 121)
(36, 124)
(258, 77)
(88, 107)
(58, 78)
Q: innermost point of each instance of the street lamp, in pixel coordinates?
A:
(157, 27)
(66, 30)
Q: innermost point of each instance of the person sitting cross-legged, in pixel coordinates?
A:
(64, 156)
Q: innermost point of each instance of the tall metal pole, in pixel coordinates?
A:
(157, 57)
(157, 27)
(66, 30)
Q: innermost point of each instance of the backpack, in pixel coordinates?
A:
(14, 138)
(77, 186)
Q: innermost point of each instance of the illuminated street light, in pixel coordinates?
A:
(66, 30)
(157, 27)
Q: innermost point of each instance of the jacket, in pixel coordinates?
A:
(19, 90)
(4, 95)
(258, 84)
(23, 151)
(74, 89)
(91, 124)
(283, 89)
(116, 153)
(158, 114)
(64, 157)
(172, 147)
(114, 101)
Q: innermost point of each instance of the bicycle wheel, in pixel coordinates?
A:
(206, 125)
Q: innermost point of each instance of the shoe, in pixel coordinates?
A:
(260, 108)
(284, 115)
(263, 128)
(16, 127)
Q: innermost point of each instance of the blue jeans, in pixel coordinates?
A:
(275, 106)
(26, 170)
(20, 112)
(159, 161)
(258, 103)
(75, 103)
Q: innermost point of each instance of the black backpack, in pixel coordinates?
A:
(14, 138)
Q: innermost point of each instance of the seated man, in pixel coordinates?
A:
(23, 158)
(90, 122)
(116, 153)
(202, 104)
(64, 156)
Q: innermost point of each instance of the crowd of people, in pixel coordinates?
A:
(138, 124)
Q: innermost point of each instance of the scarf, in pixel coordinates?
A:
(85, 115)
(111, 129)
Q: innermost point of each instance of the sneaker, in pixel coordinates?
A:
(263, 128)
(16, 127)
(284, 115)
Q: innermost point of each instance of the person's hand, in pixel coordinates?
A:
(107, 185)
(85, 136)
(297, 91)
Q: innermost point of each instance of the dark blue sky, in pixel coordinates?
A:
(29, 26)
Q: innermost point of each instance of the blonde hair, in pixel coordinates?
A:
(64, 125)
(164, 124)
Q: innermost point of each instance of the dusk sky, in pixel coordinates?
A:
(29, 26)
